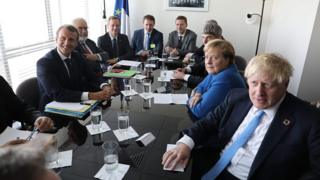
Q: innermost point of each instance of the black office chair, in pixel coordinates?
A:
(241, 64)
(28, 91)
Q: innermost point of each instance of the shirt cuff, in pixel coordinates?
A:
(104, 84)
(188, 69)
(85, 96)
(186, 77)
(187, 141)
(99, 57)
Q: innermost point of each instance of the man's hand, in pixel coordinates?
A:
(195, 98)
(174, 52)
(43, 123)
(168, 49)
(104, 94)
(178, 74)
(112, 61)
(91, 57)
(179, 155)
(13, 143)
(144, 53)
(187, 58)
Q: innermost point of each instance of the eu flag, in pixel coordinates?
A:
(121, 10)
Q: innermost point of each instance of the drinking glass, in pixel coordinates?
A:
(147, 85)
(96, 118)
(123, 120)
(127, 85)
(110, 157)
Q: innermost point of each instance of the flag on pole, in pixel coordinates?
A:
(121, 10)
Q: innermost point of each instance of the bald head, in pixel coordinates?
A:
(82, 28)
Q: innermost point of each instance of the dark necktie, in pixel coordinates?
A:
(85, 48)
(179, 42)
(69, 66)
(114, 47)
(228, 154)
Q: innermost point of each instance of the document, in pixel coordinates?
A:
(166, 76)
(116, 174)
(129, 63)
(179, 167)
(170, 98)
(71, 106)
(64, 160)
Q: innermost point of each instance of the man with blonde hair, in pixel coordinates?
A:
(261, 133)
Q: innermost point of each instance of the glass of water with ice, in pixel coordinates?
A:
(110, 157)
(96, 118)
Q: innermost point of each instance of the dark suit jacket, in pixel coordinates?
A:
(188, 43)
(95, 65)
(288, 151)
(155, 38)
(55, 83)
(124, 50)
(13, 109)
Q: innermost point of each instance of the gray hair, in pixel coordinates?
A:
(275, 65)
(213, 28)
(17, 164)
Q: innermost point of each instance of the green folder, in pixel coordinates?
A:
(120, 73)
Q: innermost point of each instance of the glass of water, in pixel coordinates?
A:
(123, 120)
(110, 157)
(147, 86)
(96, 118)
(127, 85)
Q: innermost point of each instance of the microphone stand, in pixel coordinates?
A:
(261, 17)
(104, 15)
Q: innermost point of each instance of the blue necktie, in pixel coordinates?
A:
(231, 150)
(147, 40)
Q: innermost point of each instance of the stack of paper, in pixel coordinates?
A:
(129, 63)
(77, 110)
(170, 98)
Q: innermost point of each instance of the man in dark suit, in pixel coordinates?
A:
(147, 39)
(196, 73)
(283, 143)
(96, 58)
(182, 40)
(13, 109)
(64, 76)
(117, 45)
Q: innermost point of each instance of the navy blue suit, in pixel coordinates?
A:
(13, 109)
(288, 150)
(95, 65)
(55, 82)
(156, 38)
(124, 50)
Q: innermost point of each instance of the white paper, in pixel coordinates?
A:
(166, 76)
(170, 98)
(104, 128)
(124, 135)
(139, 76)
(179, 167)
(146, 95)
(116, 174)
(132, 92)
(150, 65)
(129, 63)
(64, 159)
(173, 57)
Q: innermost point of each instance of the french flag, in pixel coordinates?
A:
(121, 10)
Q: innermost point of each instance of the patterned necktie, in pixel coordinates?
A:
(69, 66)
(147, 40)
(179, 42)
(114, 48)
(228, 154)
(85, 48)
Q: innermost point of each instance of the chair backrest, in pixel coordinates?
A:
(28, 91)
(241, 64)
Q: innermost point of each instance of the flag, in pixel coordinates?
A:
(121, 10)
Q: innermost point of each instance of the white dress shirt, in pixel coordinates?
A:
(241, 162)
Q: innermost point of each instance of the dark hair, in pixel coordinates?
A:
(149, 17)
(113, 18)
(70, 28)
(182, 18)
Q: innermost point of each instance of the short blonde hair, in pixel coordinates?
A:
(226, 47)
(275, 65)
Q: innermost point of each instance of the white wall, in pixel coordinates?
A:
(289, 33)
(230, 14)
(309, 88)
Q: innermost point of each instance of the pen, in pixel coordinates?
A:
(83, 103)
(31, 134)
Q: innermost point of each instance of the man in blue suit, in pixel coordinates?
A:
(63, 73)
(284, 144)
(96, 58)
(147, 39)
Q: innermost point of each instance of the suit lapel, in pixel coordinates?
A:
(280, 125)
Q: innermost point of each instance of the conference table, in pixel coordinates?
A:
(164, 121)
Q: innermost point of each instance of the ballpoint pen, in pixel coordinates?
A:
(83, 103)
(31, 134)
